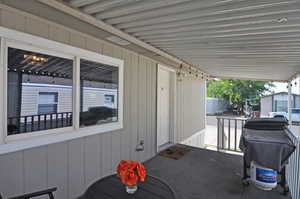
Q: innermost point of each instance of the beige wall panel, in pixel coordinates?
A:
(142, 104)
(35, 169)
(77, 40)
(57, 33)
(191, 107)
(57, 164)
(107, 49)
(92, 160)
(134, 105)
(76, 178)
(16, 21)
(11, 174)
(37, 27)
(75, 164)
(94, 45)
(126, 135)
(106, 153)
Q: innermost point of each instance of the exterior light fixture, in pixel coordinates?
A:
(35, 59)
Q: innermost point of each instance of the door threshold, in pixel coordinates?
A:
(165, 146)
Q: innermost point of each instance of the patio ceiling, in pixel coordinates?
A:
(225, 38)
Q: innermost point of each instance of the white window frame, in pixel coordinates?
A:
(16, 39)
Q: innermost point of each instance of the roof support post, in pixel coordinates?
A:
(289, 102)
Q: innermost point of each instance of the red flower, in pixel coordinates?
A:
(130, 172)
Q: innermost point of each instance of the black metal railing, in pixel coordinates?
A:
(229, 131)
(293, 167)
(31, 123)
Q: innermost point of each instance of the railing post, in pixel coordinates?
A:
(223, 134)
(235, 134)
(218, 134)
(289, 102)
(229, 137)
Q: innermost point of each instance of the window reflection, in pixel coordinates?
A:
(99, 93)
(39, 91)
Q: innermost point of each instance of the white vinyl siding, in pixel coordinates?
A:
(30, 99)
(96, 97)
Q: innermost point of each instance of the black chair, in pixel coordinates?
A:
(48, 192)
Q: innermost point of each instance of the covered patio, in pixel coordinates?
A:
(204, 173)
(148, 63)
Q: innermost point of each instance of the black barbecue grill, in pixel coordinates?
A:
(265, 141)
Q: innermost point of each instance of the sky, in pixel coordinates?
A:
(282, 87)
(279, 87)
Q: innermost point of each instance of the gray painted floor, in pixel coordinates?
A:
(205, 174)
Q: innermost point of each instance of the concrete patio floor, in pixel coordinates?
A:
(206, 174)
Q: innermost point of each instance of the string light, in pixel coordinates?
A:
(35, 58)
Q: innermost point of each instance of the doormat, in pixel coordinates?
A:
(174, 152)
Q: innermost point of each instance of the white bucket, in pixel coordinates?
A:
(263, 178)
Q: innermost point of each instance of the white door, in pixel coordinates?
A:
(163, 103)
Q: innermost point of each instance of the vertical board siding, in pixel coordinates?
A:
(76, 170)
(92, 159)
(134, 105)
(33, 24)
(126, 135)
(16, 21)
(58, 161)
(153, 107)
(190, 112)
(106, 154)
(35, 169)
(11, 174)
(73, 165)
(57, 33)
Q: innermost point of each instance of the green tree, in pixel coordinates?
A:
(235, 92)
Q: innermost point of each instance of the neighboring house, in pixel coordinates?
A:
(47, 98)
(278, 102)
(215, 105)
(296, 85)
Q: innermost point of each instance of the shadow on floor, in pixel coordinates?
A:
(205, 174)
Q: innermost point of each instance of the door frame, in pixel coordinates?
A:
(172, 123)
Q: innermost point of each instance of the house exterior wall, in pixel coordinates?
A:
(297, 102)
(92, 97)
(265, 105)
(191, 112)
(30, 99)
(268, 103)
(75, 164)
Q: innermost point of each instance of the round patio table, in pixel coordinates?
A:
(111, 187)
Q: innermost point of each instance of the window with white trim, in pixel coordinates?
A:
(97, 81)
(62, 90)
(34, 81)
